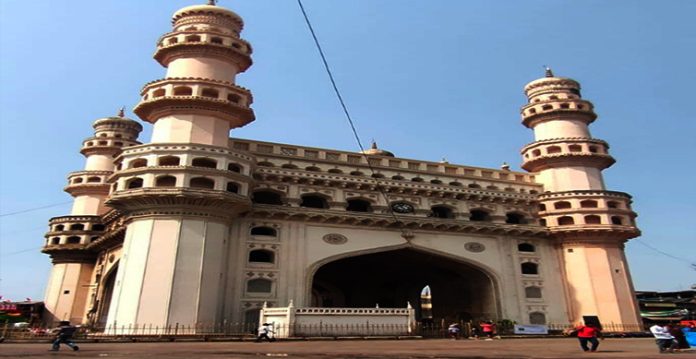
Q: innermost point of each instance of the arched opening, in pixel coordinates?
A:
(313, 169)
(233, 167)
(436, 181)
(93, 179)
(515, 218)
(168, 161)
(417, 179)
(211, 93)
(193, 38)
(561, 205)
(526, 247)
(474, 185)
(377, 175)
(98, 227)
(491, 187)
(542, 207)
(165, 181)
(261, 256)
(232, 187)
(532, 292)
(134, 183)
(77, 227)
(553, 149)
(617, 220)
(398, 178)
(264, 231)
(479, 215)
(455, 184)
(588, 203)
(216, 40)
(314, 201)
(159, 93)
(77, 180)
(202, 182)
(140, 162)
(105, 297)
(55, 240)
(460, 291)
(204, 162)
(265, 164)
(73, 240)
(267, 197)
(565, 221)
(59, 228)
(335, 171)
(593, 219)
(441, 212)
(183, 91)
(357, 173)
(233, 98)
(259, 285)
(613, 204)
(530, 268)
(537, 318)
(575, 148)
(359, 205)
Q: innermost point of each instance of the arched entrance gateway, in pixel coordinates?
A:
(460, 291)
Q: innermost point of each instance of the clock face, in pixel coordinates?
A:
(401, 207)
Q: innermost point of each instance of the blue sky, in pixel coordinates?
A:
(426, 79)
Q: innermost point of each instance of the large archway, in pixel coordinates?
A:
(107, 293)
(460, 291)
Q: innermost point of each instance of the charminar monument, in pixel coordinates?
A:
(192, 226)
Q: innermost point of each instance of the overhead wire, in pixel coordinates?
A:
(344, 107)
(684, 260)
(34, 209)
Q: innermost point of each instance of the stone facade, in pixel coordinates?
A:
(196, 227)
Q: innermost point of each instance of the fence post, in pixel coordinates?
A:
(176, 329)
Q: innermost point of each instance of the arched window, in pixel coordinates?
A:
(588, 203)
(553, 149)
(335, 170)
(77, 180)
(77, 227)
(530, 268)
(59, 228)
(441, 212)
(183, 91)
(532, 292)
(357, 173)
(314, 201)
(542, 222)
(416, 179)
(266, 197)
(98, 227)
(140, 162)
(526, 247)
(55, 240)
(290, 166)
(73, 240)
(165, 181)
(565, 221)
(193, 38)
(493, 188)
(202, 182)
(435, 181)
(173, 40)
(479, 215)
(542, 207)
(259, 285)
(561, 205)
(515, 218)
(159, 93)
(455, 184)
(613, 204)
(265, 164)
(536, 153)
(593, 219)
(232, 187)
(233, 167)
(474, 185)
(168, 161)
(398, 178)
(134, 183)
(93, 179)
(359, 205)
(264, 231)
(216, 40)
(546, 107)
(593, 149)
(617, 220)
(211, 93)
(204, 162)
(575, 148)
(377, 175)
(537, 318)
(261, 256)
(233, 98)
(313, 169)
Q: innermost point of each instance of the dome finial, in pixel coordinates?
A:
(212, 2)
(505, 166)
(374, 144)
(548, 72)
(121, 112)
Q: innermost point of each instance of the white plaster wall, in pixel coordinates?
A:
(571, 178)
(88, 205)
(191, 129)
(557, 129)
(207, 68)
(187, 277)
(212, 278)
(98, 162)
(73, 278)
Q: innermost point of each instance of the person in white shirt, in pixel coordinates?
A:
(264, 331)
(665, 341)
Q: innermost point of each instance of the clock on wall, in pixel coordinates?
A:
(401, 207)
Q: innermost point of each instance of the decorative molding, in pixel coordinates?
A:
(335, 238)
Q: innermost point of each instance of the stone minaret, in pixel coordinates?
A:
(182, 190)
(69, 236)
(589, 223)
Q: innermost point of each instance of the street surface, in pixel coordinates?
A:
(414, 348)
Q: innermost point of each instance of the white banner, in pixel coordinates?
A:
(531, 329)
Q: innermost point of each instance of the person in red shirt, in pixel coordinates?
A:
(588, 333)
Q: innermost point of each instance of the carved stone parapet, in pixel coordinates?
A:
(568, 159)
(88, 182)
(170, 52)
(167, 200)
(70, 254)
(155, 108)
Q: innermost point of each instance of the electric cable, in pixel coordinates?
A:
(347, 114)
(34, 209)
(684, 260)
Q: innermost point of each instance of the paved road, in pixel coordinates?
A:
(433, 348)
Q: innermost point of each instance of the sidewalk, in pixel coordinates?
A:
(432, 348)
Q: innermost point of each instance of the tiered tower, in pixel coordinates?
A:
(69, 236)
(182, 190)
(589, 223)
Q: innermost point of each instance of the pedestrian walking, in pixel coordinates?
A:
(453, 331)
(488, 329)
(265, 332)
(665, 341)
(64, 334)
(589, 333)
